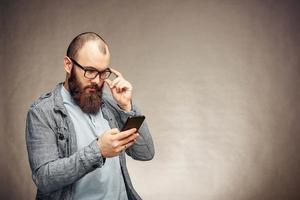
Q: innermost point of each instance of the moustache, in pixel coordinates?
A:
(96, 87)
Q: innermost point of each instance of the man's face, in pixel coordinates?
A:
(88, 93)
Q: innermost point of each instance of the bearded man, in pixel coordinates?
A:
(75, 147)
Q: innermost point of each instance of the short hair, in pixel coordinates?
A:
(78, 42)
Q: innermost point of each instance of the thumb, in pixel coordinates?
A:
(108, 82)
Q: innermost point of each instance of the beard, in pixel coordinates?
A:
(88, 102)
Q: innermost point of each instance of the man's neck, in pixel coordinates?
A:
(66, 85)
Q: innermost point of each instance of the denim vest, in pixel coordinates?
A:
(55, 161)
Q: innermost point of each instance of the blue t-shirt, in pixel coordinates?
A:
(103, 183)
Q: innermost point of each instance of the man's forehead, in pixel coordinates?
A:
(94, 48)
(92, 52)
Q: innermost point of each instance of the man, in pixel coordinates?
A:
(75, 147)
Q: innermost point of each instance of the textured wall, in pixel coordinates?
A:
(217, 80)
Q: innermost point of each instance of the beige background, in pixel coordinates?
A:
(217, 80)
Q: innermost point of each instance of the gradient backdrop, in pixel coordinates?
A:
(217, 80)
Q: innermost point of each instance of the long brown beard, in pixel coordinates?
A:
(88, 102)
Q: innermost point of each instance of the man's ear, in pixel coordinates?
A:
(67, 64)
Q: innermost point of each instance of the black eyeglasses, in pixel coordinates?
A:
(91, 72)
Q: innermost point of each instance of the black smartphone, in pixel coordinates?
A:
(133, 122)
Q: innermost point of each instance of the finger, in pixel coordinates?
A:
(118, 74)
(112, 84)
(113, 131)
(108, 82)
(129, 139)
(124, 134)
(119, 87)
(123, 85)
(129, 144)
(125, 146)
(115, 82)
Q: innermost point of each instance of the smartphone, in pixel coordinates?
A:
(133, 122)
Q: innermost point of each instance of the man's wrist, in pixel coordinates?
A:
(96, 159)
(99, 146)
(126, 108)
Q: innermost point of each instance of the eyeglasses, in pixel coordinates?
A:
(91, 72)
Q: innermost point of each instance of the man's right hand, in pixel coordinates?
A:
(113, 142)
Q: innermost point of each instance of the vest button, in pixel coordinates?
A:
(61, 137)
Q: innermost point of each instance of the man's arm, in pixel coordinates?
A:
(49, 171)
(121, 89)
(143, 148)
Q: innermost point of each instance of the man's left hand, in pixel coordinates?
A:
(121, 90)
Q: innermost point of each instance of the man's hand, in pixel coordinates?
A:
(112, 142)
(121, 90)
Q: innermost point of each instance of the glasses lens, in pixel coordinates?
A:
(105, 74)
(91, 74)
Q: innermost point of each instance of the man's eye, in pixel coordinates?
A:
(91, 71)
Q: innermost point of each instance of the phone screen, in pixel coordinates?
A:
(133, 122)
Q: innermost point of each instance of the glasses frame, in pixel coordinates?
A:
(92, 68)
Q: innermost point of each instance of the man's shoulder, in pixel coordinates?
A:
(45, 98)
